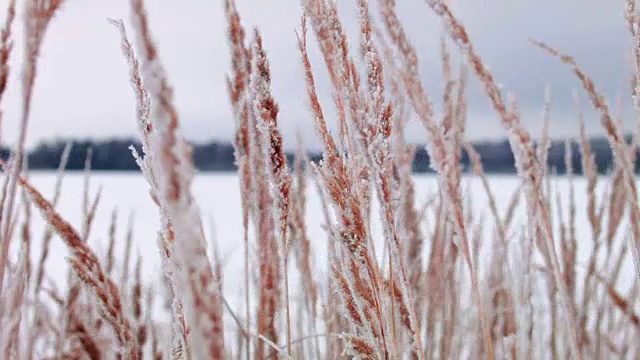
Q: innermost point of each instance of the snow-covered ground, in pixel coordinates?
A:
(218, 198)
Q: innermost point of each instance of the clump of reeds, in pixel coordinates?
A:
(441, 279)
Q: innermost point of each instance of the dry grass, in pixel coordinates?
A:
(425, 292)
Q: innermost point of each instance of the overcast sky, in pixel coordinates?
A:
(82, 87)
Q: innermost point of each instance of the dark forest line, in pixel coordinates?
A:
(115, 155)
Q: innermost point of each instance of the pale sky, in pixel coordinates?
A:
(82, 88)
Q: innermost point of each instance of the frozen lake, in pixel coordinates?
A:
(218, 198)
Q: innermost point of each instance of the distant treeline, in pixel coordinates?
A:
(114, 155)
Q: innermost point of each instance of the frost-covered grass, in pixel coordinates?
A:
(350, 257)
(219, 200)
(127, 193)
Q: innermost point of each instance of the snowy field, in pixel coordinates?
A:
(218, 198)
